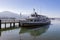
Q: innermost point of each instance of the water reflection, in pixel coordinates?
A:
(0, 33)
(39, 31)
(34, 32)
(23, 33)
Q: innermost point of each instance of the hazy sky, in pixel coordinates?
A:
(49, 8)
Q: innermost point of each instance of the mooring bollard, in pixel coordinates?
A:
(0, 24)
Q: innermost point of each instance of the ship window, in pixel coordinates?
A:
(31, 20)
(34, 20)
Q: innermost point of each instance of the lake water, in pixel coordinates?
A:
(47, 32)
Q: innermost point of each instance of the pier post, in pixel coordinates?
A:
(10, 25)
(5, 24)
(19, 23)
(0, 24)
(14, 24)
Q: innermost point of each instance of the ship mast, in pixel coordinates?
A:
(20, 14)
(33, 10)
(35, 14)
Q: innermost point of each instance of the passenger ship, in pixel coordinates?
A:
(35, 20)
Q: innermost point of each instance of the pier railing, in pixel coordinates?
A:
(10, 21)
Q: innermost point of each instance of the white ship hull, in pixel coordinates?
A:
(34, 23)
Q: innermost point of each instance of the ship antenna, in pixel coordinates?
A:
(33, 10)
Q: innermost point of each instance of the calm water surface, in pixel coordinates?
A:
(48, 32)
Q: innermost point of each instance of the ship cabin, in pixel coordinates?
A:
(37, 18)
(34, 18)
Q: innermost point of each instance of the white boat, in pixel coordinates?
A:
(35, 20)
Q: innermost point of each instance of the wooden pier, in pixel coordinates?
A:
(9, 22)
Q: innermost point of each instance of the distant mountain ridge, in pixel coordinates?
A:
(8, 14)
